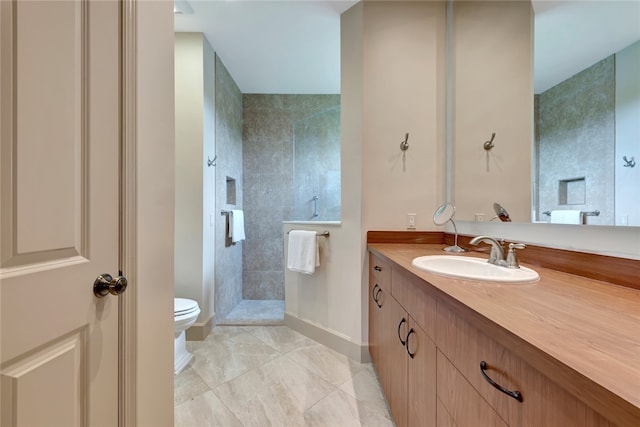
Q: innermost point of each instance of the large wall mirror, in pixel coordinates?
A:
(579, 155)
(587, 112)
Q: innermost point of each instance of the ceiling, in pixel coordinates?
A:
(286, 47)
(293, 47)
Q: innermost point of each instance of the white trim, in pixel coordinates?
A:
(127, 325)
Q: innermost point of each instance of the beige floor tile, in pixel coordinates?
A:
(273, 376)
(329, 364)
(364, 385)
(341, 409)
(204, 411)
(282, 338)
(276, 394)
(226, 360)
(188, 385)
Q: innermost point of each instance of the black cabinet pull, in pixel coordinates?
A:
(376, 295)
(404, 343)
(377, 268)
(412, 355)
(515, 394)
(373, 292)
(378, 298)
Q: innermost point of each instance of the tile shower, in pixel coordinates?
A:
(291, 153)
(282, 153)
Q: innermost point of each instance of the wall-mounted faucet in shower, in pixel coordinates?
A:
(315, 206)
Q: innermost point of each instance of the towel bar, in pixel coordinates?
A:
(323, 234)
(590, 213)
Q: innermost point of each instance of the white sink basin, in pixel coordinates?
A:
(473, 268)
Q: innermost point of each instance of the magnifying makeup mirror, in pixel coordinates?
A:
(443, 215)
(501, 213)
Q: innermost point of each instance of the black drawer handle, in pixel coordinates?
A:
(377, 268)
(373, 292)
(376, 295)
(515, 394)
(412, 355)
(377, 298)
(404, 343)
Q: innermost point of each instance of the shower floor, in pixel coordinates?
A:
(256, 312)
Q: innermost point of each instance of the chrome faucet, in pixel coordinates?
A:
(496, 256)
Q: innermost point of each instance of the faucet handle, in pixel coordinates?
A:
(512, 259)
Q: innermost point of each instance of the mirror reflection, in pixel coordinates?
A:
(587, 112)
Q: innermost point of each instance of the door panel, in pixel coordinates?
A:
(59, 199)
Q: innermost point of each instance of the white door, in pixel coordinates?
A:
(59, 111)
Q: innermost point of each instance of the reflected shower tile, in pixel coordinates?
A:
(329, 364)
(187, 386)
(204, 411)
(277, 393)
(341, 409)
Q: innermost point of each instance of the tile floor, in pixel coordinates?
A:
(274, 376)
(256, 312)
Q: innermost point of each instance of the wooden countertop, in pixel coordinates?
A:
(590, 328)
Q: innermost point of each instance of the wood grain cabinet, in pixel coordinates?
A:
(402, 351)
(379, 294)
(509, 387)
(438, 368)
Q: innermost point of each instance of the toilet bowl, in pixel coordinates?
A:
(185, 313)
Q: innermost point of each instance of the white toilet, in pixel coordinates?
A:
(185, 313)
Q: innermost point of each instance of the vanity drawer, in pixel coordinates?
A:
(379, 272)
(411, 292)
(459, 404)
(541, 401)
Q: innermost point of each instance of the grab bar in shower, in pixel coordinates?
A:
(323, 234)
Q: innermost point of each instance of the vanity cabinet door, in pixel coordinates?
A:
(412, 293)
(396, 329)
(411, 368)
(543, 402)
(376, 298)
(421, 377)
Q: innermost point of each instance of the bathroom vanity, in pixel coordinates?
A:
(563, 351)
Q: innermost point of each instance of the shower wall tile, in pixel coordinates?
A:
(228, 259)
(269, 190)
(576, 139)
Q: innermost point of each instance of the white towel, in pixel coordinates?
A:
(236, 225)
(566, 217)
(303, 255)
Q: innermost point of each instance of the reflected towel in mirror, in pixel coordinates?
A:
(566, 217)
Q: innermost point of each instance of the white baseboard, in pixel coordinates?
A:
(332, 339)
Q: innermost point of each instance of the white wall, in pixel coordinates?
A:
(194, 181)
(155, 215)
(392, 83)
